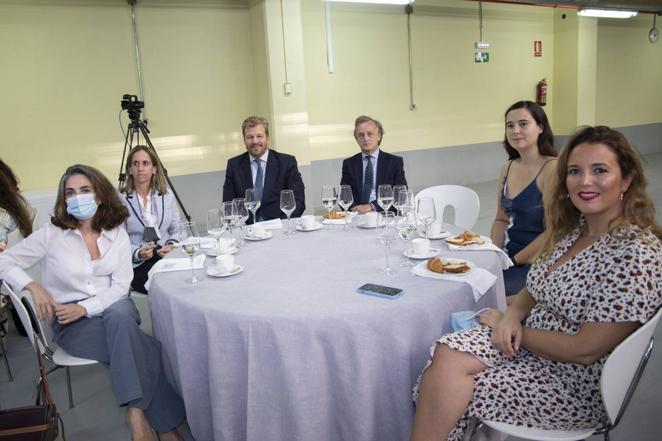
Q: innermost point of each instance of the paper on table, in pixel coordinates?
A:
(479, 279)
(208, 242)
(503, 257)
(174, 264)
(273, 224)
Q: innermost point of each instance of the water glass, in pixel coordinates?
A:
(251, 202)
(329, 197)
(406, 232)
(242, 217)
(387, 235)
(287, 205)
(397, 190)
(385, 196)
(426, 212)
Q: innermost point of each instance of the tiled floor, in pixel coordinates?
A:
(96, 417)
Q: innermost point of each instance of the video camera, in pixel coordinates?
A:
(132, 105)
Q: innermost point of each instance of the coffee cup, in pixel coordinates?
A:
(307, 222)
(225, 263)
(434, 229)
(257, 230)
(420, 245)
(370, 219)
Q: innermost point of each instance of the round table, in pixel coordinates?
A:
(287, 349)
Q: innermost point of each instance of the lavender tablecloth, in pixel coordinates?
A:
(287, 350)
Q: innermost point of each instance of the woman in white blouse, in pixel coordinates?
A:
(153, 223)
(86, 265)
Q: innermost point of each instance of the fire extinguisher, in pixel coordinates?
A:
(541, 92)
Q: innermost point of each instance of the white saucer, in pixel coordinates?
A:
(408, 252)
(266, 235)
(212, 252)
(443, 234)
(317, 226)
(368, 226)
(486, 241)
(213, 271)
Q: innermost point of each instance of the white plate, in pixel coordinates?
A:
(315, 228)
(471, 265)
(213, 271)
(486, 241)
(212, 252)
(408, 252)
(266, 235)
(442, 235)
(368, 226)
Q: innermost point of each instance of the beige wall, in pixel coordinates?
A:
(458, 101)
(629, 82)
(210, 63)
(66, 65)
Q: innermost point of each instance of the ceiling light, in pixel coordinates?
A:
(380, 2)
(607, 13)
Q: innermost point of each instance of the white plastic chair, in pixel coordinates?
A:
(463, 199)
(57, 356)
(618, 381)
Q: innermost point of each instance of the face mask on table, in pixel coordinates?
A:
(82, 206)
(462, 320)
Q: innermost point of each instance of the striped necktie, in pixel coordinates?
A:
(367, 181)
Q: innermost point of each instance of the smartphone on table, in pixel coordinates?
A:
(385, 292)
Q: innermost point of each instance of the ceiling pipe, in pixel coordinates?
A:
(567, 6)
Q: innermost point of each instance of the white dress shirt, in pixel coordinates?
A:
(68, 272)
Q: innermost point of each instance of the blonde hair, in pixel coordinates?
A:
(561, 216)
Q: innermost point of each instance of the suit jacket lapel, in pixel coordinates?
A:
(271, 174)
(358, 171)
(381, 170)
(246, 175)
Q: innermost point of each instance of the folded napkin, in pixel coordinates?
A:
(208, 242)
(503, 257)
(273, 224)
(347, 220)
(174, 264)
(479, 279)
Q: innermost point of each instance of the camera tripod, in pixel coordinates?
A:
(135, 129)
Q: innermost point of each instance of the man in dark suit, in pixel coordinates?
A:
(367, 170)
(265, 170)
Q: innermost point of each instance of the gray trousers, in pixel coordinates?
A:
(132, 357)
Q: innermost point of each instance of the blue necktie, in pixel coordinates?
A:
(259, 186)
(367, 181)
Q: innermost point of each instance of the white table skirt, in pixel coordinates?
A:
(287, 350)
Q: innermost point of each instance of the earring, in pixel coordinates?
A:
(567, 195)
(621, 196)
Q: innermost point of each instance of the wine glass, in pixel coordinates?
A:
(399, 197)
(230, 217)
(190, 243)
(397, 189)
(385, 196)
(329, 197)
(345, 200)
(242, 217)
(215, 225)
(251, 202)
(287, 205)
(386, 236)
(425, 212)
(406, 231)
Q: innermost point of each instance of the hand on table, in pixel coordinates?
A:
(69, 313)
(507, 334)
(42, 300)
(165, 250)
(363, 208)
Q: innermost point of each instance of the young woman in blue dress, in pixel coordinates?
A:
(519, 221)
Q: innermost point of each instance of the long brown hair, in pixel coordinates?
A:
(111, 212)
(158, 181)
(546, 137)
(561, 216)
(12, 201)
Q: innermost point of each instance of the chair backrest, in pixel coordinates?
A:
(624, 367)
(23, 305)
(464, 200)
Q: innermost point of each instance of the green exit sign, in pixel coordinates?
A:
(482, 57)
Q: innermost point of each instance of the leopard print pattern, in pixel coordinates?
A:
(618, 278)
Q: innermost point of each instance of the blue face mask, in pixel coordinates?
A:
(462, 320)
(82, 206)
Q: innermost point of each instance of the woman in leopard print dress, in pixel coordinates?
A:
(598, 278)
